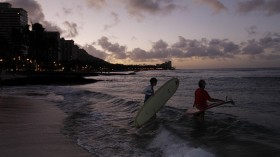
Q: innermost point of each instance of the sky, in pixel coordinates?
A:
(193, 34)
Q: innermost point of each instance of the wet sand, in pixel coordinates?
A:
(32, 128)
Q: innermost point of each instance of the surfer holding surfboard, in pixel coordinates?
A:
(201, 98)
(149, 90)
(155, 101)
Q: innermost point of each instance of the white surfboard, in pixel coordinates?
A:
(156, 102)
(193, 111)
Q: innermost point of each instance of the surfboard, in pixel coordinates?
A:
(156, 102)
(193, 111)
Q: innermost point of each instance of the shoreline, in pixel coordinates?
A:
(33, 128)
(45, 78)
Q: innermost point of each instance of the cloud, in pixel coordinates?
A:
(118, 51)
(249, 6)
(51, 26)
(115, 22)
(252, 31)
(216, 5)
(215, 48)
(34, 9)
(267, 47)
(159, 51)
(96, 4)
(35, 14)
(271, 7)
(138, 54)
(271, 41)
(186, 48)
(159, 45)
(67, 11)
(253, 48)
(72, 30)
(139, 8)
(94, 52)
(264, 48)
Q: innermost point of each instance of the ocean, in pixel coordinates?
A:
(100, 115)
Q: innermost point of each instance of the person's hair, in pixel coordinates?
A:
(201, 83)
(153, 80)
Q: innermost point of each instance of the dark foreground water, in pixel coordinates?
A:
(100, 114)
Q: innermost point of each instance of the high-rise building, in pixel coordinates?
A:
(67, 48)
(13, 21)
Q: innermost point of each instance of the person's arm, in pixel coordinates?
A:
(209, 98)
(215, 100)
(147, 91)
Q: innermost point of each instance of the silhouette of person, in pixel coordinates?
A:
(201, 99)
(149, 90)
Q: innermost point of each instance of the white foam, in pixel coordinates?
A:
(54, 97)
(173, 146)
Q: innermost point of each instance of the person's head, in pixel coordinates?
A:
(153, 81)
(202, 84)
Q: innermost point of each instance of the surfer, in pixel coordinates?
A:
(149, 90)
(201, 98)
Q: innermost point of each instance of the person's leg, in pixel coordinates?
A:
(200, 116)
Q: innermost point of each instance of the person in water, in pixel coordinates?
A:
(149, 90)
(201, 99)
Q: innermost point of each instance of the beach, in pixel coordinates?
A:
(32, 128)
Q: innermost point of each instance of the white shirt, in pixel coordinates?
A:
(148, 90)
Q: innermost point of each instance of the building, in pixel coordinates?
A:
(52, 40)
(67, 50)
(165, 66)
(13, 22)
